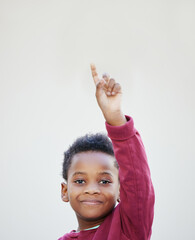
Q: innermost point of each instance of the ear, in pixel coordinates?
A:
(64, 192)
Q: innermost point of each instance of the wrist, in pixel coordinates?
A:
(115, 119)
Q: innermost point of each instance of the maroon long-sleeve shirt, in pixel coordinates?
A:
(132, 218)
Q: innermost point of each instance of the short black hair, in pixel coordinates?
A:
(98, 142)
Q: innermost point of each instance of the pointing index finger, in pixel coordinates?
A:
(94, 73)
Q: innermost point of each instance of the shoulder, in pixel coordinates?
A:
(67, 235)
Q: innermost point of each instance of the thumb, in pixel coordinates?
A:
(100, 87)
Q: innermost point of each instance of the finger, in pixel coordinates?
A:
(94, 73)
(106, 77)
(116, 89)
(100, 84)
(110, 86)
(100, 87)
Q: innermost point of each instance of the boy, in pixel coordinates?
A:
(95, 181)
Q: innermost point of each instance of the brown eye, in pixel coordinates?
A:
(79, 181)
(105, 182)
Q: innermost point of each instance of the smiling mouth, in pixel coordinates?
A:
(91, 202)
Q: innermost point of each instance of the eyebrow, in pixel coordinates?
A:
(79, 173)
(105, 173)
(100, 173)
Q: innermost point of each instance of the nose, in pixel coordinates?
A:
(92, 188)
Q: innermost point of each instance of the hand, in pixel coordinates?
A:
(109, 95)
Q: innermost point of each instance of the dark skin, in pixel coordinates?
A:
(92, 187)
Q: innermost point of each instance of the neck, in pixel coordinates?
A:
(83, 224)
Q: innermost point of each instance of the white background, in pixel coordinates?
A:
(47, 100)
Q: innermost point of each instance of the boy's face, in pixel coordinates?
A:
(93, 185)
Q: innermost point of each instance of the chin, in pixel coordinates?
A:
(94, 216)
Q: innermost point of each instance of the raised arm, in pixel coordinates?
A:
(136, 192)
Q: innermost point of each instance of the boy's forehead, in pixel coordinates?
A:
(92, 159)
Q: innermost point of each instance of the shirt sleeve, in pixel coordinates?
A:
(136, 189)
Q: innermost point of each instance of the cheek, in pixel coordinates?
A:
(112, 192)
(71, 191)
(74, 191)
